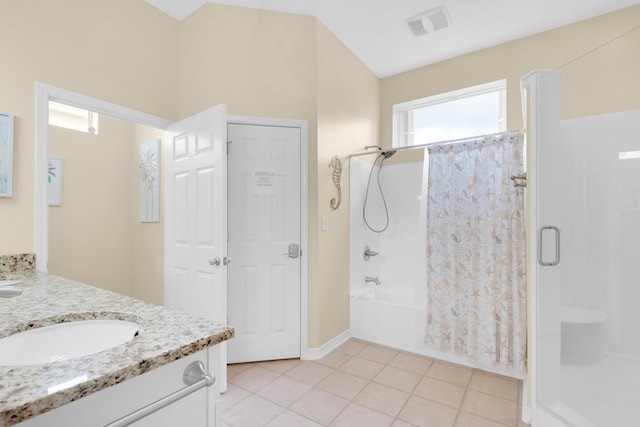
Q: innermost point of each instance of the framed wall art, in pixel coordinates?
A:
(54, 180)
(149, 181)
(6, 154)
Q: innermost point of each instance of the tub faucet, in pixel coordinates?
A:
(368, 253)
(369, 279)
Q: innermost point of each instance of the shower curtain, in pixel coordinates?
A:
(476, 294)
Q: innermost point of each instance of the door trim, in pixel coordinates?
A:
(304, 213)
(44, 94)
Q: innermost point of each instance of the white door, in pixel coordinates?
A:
(264, 240)
(195, 217)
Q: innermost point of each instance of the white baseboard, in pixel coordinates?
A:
(328, 347)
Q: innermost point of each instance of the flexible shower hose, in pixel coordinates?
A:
(382, 156)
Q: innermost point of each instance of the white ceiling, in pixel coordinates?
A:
(377, 32)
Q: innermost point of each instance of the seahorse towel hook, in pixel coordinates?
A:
(336, 164)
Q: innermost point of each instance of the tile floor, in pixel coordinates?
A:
(366, 385)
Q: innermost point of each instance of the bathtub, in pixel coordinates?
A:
(582, 335)
(391, 318)
(395, 316)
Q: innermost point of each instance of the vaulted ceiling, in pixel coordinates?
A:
(377, 31)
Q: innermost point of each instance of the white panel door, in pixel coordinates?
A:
(195, 217)
(264, 240)
(195, 234)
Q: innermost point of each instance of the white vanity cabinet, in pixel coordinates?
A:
(99, 409)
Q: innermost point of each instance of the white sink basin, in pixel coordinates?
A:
(64, 341)
(9, 291)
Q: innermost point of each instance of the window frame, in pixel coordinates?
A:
(74, 118)
(403, 120)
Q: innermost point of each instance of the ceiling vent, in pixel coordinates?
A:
(429, 21)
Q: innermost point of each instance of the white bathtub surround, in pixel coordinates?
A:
(396, 316)
(476, 286)
(401, 248)
(364, 293)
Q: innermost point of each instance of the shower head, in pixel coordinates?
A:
(388, 154)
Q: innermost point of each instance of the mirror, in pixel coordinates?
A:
(95, 235)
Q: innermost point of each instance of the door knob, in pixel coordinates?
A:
(294, 251)
(226, 260)
(215, 261)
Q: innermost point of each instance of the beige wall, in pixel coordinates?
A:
(147, 238)
(290, 66)
(595, 82)
(88, 46)
(348, 108)
(258, 63)
(86, 233)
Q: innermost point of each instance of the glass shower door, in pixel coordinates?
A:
(588, 270)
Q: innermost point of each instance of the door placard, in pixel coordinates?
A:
(264, 182)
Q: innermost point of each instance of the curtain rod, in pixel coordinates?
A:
(428, 144)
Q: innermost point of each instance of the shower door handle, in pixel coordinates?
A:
(556, 259)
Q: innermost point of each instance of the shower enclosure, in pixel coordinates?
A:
(392, 311)
(389, 289)
(583, 260)
(583, 249)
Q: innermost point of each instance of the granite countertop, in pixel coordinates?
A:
(167, 335)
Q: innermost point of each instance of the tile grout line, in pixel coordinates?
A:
(468, 388)
(369, 381)
(252, 393)
(396, 418)
(464, 395)
(372, 380)
(344, 358)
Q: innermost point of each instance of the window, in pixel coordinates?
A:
(477, 110)
(75, 118)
